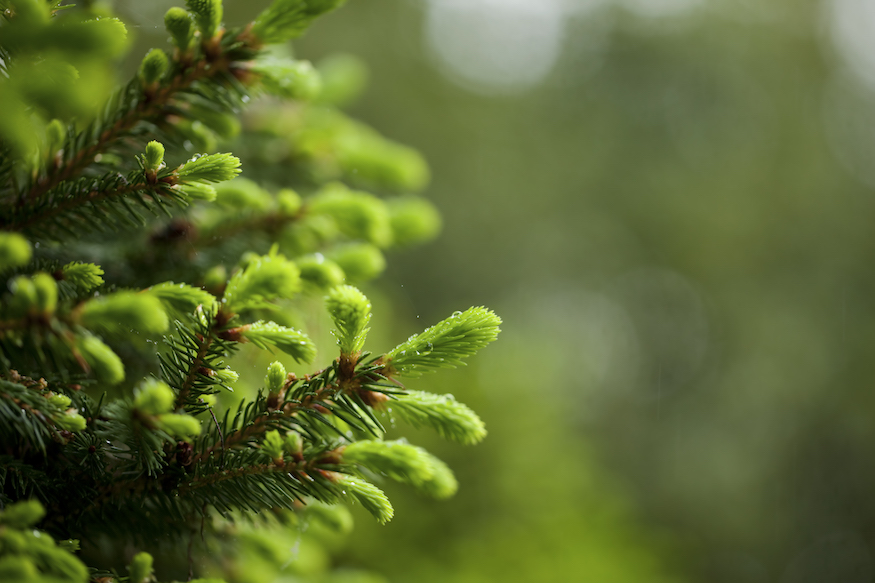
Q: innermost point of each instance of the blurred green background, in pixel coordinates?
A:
(670, 203)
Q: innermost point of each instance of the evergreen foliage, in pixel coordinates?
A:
(121, 312)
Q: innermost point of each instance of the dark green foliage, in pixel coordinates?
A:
(131, 281)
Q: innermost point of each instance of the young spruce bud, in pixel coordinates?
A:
(178, 23)
(286, 78)
(293, 443)
(226, 375)
(207, 16)
(372, 498)
(414, 220)
(320, 272)
(124, 311)
(359, 261)
(71, 420)
(153, 160)
(351, 312)
(24, 298)
(288, 201)
(179, 426)
(405, 463)
(140, 568)
(154, 398)
(343, 77)
(46, 292)
(267, 335)
(209, 168)
(22, 514)
(197, 191)
(105, 363)
(273, 446)
(14, 251)
(263, 280)
(275, 378)
(85, 276)
(446, 344)
(153, 67)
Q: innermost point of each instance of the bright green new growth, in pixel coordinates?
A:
(359, 261)
(207, 16)
(275, 377)
(178, 23)
(153, 67)
(14, 251)
(85, 276)
(23, 300)
(154, 398)
(226, 376)
(179, 426)
(140, 569)
(153, 405)
(105, 363)
(413, 220)
(405, 463)
(70, 421)
(343, 78)
(164, 454)
(242, 193)
(320, 272)
(109, 32)
(197, 191)
(153, 159)
(46, 292)
(209, 168)
(285, 19)
(288, 201)
(22, 514)
(57, 414)
(267, 278)
(443, 413)
(358, 215)
(335, 517)
(273, 445)
(351, 312)
(369, 496)
(222, 124)
(30, 555)
(124, 311)
(267, 335)
(181, 299)
(291, 79)
(445, 344)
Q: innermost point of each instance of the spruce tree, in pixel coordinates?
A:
(135, 264)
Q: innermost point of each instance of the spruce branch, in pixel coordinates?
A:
(351, 312)
(267, 335)
(150, 464)
(443, 413)
(405, 463)
(129, 108)
(445, 344)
